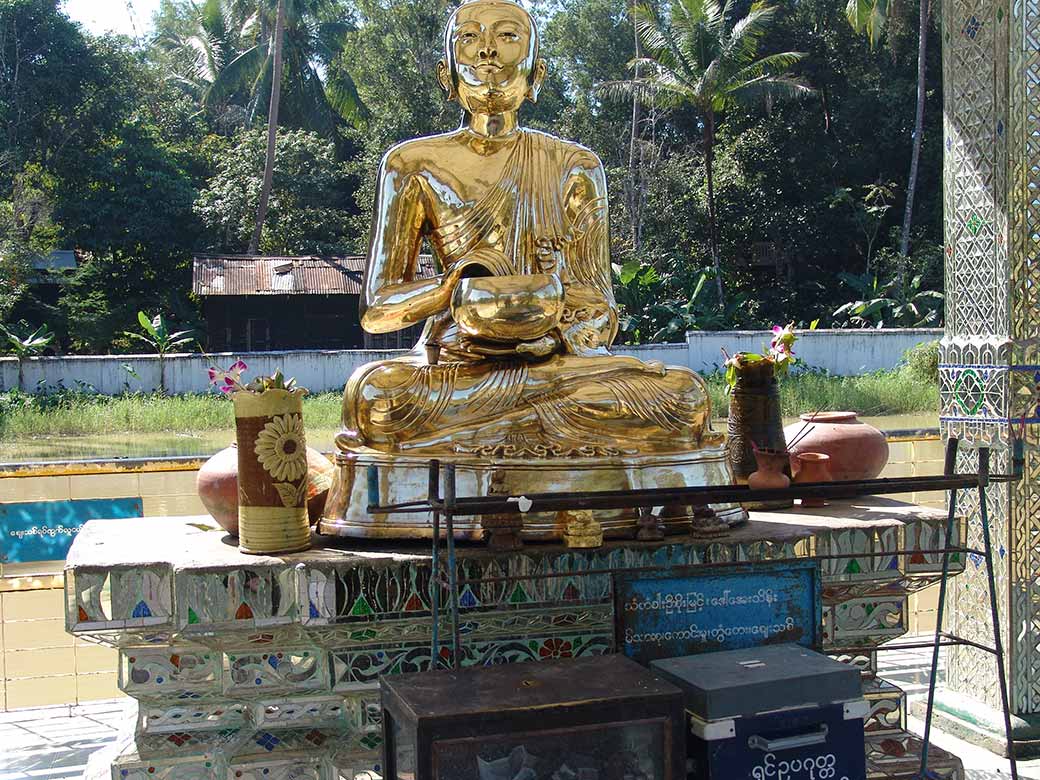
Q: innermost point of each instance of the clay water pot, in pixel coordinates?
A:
(217, 485)
(813, 467)
(857, 450)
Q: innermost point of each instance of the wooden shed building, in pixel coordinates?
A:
(254, 304)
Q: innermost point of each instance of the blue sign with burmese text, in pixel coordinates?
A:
(707, 608)
(44, 530)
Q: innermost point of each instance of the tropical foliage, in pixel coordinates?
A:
(707, 56)
(160, 340)
(309, 183)
(892, 304)
(730, 206)
(26, 346)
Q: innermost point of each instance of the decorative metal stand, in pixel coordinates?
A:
(942, 638)
(643, 500)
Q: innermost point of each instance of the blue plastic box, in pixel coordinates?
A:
(780, 712)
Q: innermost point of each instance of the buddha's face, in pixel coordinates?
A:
(494, 53)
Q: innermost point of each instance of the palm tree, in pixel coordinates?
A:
(228, 57)
(199, 55)
(869, 17)
(307, 44)
(703, 56)
(278, 44)
(248, 52)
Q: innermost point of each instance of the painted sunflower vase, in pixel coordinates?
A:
(272, 471)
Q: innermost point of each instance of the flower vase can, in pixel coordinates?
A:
(272, 471)
(754, 418)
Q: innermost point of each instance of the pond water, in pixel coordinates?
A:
(151, 445)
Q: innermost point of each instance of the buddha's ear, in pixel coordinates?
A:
(537, 77)
(445, 80)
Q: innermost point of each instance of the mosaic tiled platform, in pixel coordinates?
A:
(261, 667)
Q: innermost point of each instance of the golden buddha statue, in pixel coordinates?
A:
(512, 378)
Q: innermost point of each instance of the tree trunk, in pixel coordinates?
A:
(713, 232)
(915, 156)
(272, 127)
(634, 178)
(21, 374)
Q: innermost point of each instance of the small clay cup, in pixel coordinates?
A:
(813, 467)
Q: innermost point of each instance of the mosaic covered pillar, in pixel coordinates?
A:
(990, 358)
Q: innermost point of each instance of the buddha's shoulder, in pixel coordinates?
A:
(575, 154)
(416, 153)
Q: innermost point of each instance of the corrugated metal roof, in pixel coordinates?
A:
(59, 260)
(237, 275)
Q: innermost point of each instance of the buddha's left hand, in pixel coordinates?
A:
(583, 340)
(546, 345)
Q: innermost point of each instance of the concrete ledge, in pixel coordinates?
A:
(980, 724)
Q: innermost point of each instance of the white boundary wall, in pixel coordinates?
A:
(841, 352)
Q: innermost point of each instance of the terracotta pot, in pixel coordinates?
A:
(769, 473)
(754, 418)
(857, 450)
(272, 472)
(813, 467)
(217, 485)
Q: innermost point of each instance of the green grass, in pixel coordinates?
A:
(24, 416)
(871, 395)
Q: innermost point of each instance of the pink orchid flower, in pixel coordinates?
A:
(228, 380)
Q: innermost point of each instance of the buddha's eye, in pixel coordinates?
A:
(509, 36)
(467, 37)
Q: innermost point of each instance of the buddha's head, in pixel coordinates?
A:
(491, 60)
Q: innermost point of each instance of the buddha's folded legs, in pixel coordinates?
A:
(560, 405)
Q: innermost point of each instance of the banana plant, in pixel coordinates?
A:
(637, 285)
(160, 340)
(889, 303)
(25, 347)
(699, 312)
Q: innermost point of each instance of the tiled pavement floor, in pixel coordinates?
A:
(53, 743)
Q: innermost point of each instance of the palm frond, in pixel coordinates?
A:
(715, 17)
(868, 16)
(659, 74)
(240, 72)
(213, 18)
(660, 40)
(708, 84)
(746, 35)
(768, 65)
(207, 57)
(785, 86)
(343, 96)
(663, 90)
(649, 29)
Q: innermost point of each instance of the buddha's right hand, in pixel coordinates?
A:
(449, 281)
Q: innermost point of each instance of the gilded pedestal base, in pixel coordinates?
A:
(581, 530)
(403, 479)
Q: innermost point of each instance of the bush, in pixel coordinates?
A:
(922, 362)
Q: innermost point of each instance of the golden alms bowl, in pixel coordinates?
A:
(508, 308)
